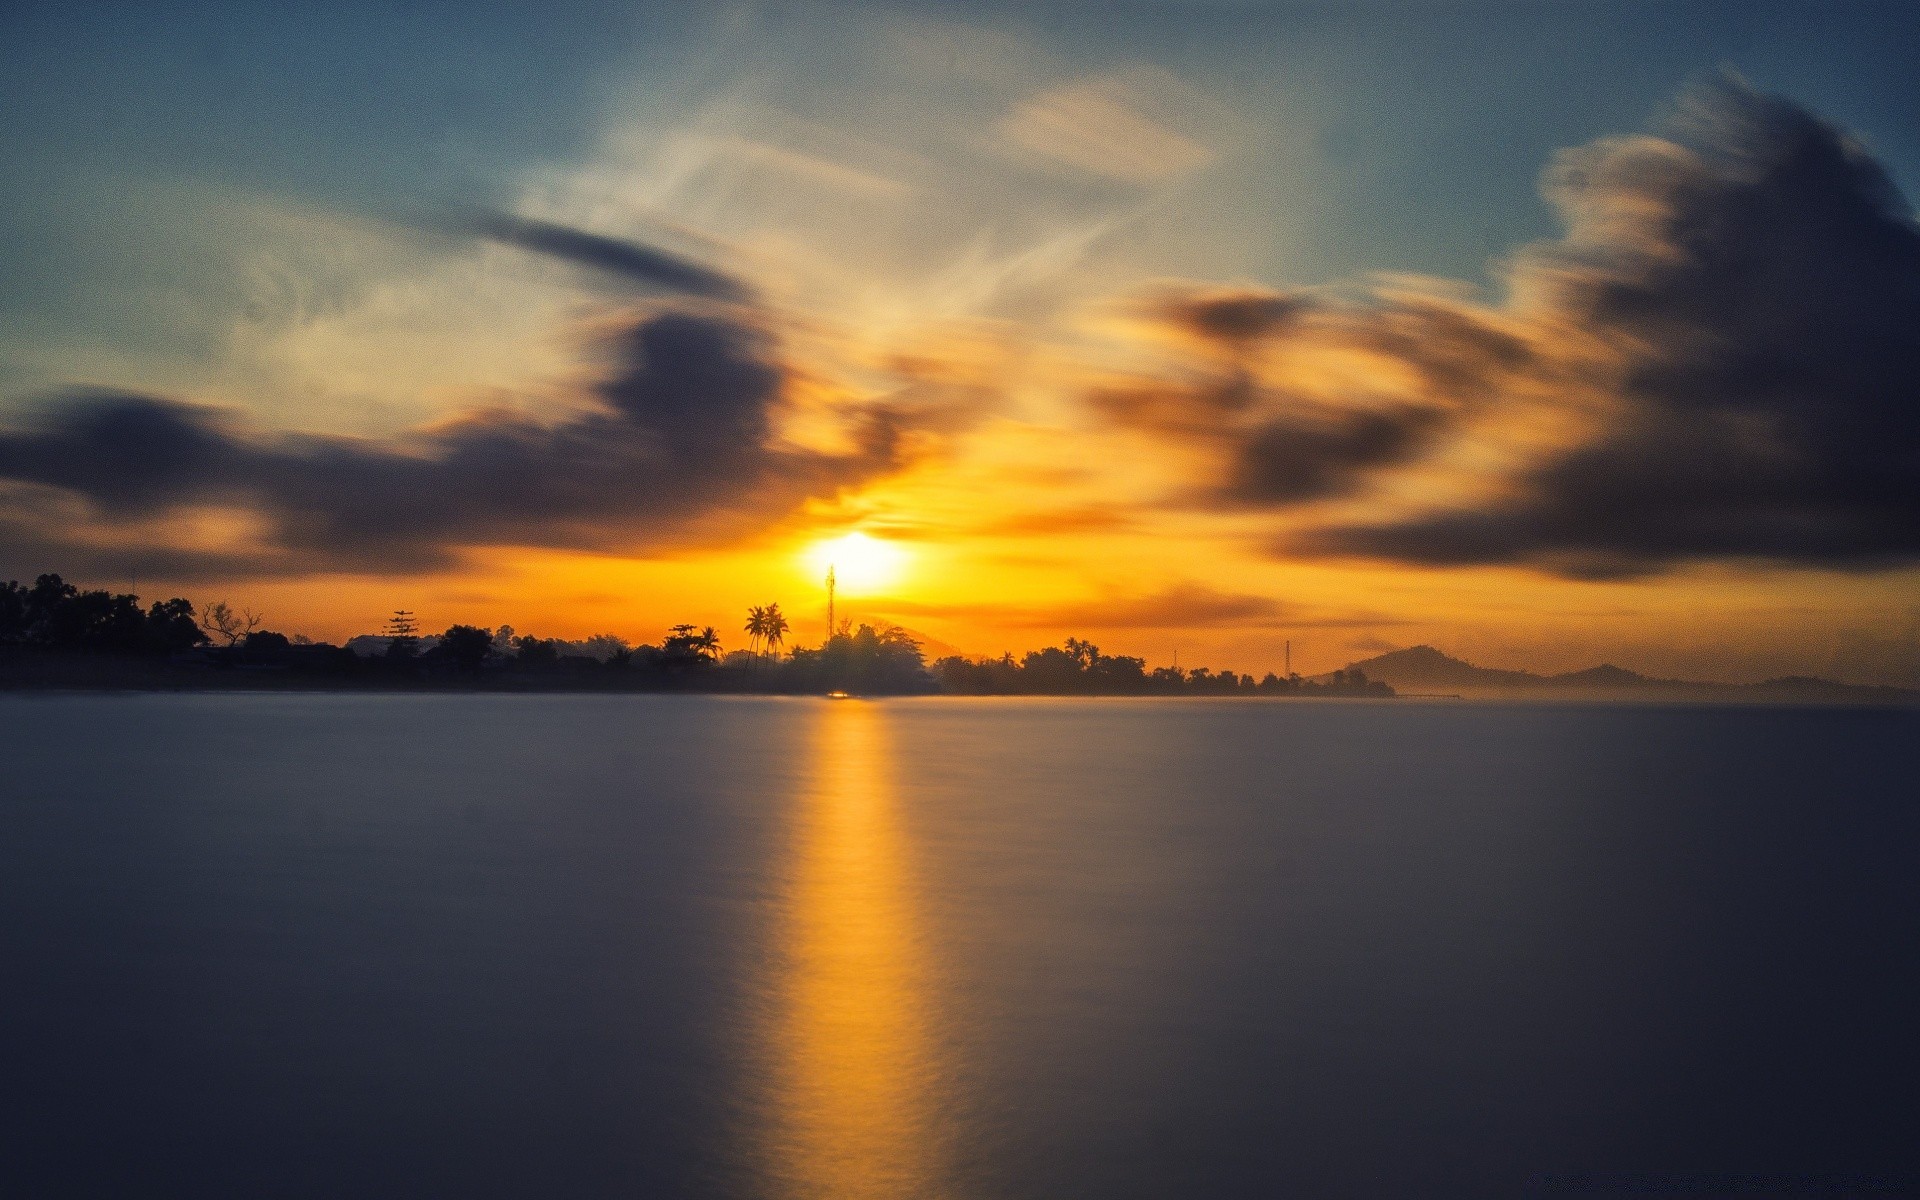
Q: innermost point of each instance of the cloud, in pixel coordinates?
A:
(1728, 332)
(1098, 126)
(1090, 518)
(1285, 460)
(787, 166)
(1181, 606)
(652, 268)
(1307, 398)
(1231, 315)
(682, 446)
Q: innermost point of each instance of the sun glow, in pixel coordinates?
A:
(860, 563)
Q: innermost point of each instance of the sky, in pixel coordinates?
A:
(1545, 333)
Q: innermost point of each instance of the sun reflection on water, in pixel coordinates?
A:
(850, 1053)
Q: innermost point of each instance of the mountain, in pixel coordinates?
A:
(1424, 669)
(1608, 676)
(1807, 689)
(1420, 669)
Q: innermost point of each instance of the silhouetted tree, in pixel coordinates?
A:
(1050, 669)
(756, 627)
(536, 652)
(13, 613)
(465, 647)
(867, 660)
(605, 647)
(403, 635)
(228, 624)
(92, 620)
(265, 646)
(687, 647)
(775, 634)
(171, 626)
(55, 614)
(1117, 673)
(45, 599)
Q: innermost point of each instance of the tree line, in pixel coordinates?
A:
(1078, 668)
(51, 616)
(54, 613)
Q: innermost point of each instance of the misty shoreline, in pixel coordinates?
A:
(1836, 697)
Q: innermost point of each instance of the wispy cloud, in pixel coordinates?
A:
(792, 165)
(1053, 522)
(1101, 126)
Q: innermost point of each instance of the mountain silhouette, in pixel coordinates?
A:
(1420, 669)
(1606, 675)
(1425, 669)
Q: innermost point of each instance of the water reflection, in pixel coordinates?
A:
(849, 1050)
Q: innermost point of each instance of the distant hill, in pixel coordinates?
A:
(1606, 675)
(1425, 669)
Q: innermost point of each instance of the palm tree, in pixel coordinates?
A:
(776, 626)
(708, 643)
(756, 626)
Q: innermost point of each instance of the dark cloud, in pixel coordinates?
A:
(682, 446)
(1316, 396)
(1723, 353)
(1747, 294)
(1287, 460)
(1231, 315)
(652, 268)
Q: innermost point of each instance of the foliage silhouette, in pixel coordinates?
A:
(53, 613)
(234, 627)
(465, 646)
(52, 616)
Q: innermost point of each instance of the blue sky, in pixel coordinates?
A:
(1432, 120)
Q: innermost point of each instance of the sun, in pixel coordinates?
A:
(860, 563)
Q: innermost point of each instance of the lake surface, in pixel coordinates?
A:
(479, 946)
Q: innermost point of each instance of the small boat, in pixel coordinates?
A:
(839, 695)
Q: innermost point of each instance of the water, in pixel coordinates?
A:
(476, 946)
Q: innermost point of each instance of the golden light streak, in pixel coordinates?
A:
(853, 1070)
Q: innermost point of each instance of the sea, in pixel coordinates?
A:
(285, 945)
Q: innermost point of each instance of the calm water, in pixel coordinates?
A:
(478, 946)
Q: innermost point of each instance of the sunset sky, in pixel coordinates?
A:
(1546, 333)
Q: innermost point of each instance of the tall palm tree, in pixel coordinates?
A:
(756, 626)
(776, 627)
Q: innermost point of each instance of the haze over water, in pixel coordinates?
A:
(595, 946)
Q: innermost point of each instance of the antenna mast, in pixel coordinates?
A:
(830, 626)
